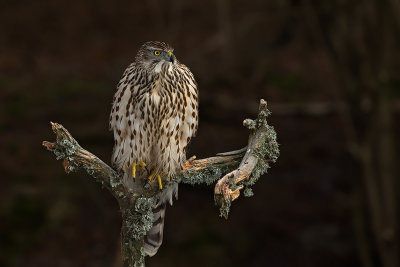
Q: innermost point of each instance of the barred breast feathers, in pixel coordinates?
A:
(154, 115)
(154, 108)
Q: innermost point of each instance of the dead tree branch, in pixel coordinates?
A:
(242, 168)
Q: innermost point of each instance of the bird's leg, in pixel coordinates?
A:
(151, 177)
(141, 164)
(153, 172)
(134, 170)
(159, 181)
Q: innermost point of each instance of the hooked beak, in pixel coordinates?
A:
(171, 57)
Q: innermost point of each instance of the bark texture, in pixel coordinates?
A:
(239, 170)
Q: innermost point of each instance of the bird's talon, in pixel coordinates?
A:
(134, 165)
(150, 178)
(134, 170)
(159, 181)
(142, 164)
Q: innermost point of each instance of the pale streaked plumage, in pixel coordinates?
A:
(154, 115)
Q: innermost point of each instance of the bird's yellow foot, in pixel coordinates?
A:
(141, 164)
(151, 176)
(134, 170)
(159, 181)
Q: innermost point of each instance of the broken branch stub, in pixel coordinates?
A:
(261, 150)
(243, 168)
(74, 158)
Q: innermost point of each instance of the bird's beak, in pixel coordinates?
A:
(171, 57)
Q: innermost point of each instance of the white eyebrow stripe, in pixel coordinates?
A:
(159, 49)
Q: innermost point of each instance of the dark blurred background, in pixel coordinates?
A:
(328, 69)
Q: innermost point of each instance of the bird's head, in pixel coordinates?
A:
(154, 52)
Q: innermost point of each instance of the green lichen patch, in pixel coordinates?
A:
(266, 151)
(89, 169)
(269, 150)
(64, 148)
(69, 147)
(271, 147)
(225, 206)
(59, 151)
(263, 114)
(207, 176)
(115, 181)
(72, 166)
(248, 192)
(250, 124)
(143, 216)
(137, 221)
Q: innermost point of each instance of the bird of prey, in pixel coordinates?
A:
(154, 115)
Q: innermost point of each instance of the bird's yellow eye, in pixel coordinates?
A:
(157, 53)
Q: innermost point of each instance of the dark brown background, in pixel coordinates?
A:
(321, 65)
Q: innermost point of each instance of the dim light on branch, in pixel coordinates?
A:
(239, 170)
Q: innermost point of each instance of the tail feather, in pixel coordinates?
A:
(154, 237)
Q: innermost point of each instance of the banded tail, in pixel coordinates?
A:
(154, 237)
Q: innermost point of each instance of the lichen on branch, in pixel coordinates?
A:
(262, 149)
(241, 169)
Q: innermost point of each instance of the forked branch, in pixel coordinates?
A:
(240, 168)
